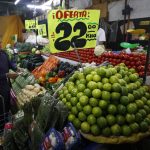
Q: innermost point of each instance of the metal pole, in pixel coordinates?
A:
(125, 16)
(147, 62)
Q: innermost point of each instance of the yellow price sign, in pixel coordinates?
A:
(31, 24)
(42, 30)
(67, 28)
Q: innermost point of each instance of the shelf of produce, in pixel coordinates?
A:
(62, 59)
(116, 140)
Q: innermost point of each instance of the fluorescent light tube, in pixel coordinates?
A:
(17, 1)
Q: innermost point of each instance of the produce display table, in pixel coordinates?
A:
(116, 140)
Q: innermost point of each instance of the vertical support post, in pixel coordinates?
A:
(125, 16)
(147, 62)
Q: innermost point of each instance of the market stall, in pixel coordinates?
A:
(70, 93)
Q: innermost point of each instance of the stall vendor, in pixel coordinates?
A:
(5, 65)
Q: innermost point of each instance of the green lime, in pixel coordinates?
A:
(85, 127)
(119, 76)
(126, 130)
(147, 109)
(102, 122)
(89, 77)
(134, 127)
(81, 87)
(96, 78)
(74, 92)
(139, 103)
(87, 109)
(105, 80)
(88, 92)
(113, 79)
(82, 116)
(99, 85)
(83, 100)
(144, 99)
(106, 132)
(83, 81)
(92, 85)
(93, 102)
(108, 73)
(71, 117)
(133, 77)
(115, 97)
(68, 104)
(116, 130)
(79, 107)
(121, 109)
(64, 100)
(79, 95)
(74, 110)
(87, 70)
(122, 82)
(106, 95)
(81, 76)
(116, 87)
(101, 71)
(96, 93)
(120, 119)
(132, 108)
(112, 109)
(111, 119)
(91, 119)
(103, 104)
(77, 123)
(124, 91)
(96, 111)
(95, 130)
(144, 126)
(107, 87)
(130, 118)
(74, 101)
(124, 100)
(138, 117)
(61, 96)
(131, 97)
(143, 112)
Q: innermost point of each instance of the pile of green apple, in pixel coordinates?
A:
(107, 101)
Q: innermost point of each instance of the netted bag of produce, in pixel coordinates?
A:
(36, 136)
(21, 138)
(28, 112)
(9, 143)
(45, 111)
(30, 79)
(36, 101)
(63, 114)
(16, 88)
(21, 81)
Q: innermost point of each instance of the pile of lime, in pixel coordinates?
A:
(107, 101)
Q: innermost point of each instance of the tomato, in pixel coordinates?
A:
(127, 63)
(138, 63)
(141, 74)
(141, 68)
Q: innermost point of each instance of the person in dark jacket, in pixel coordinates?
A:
(5, 86)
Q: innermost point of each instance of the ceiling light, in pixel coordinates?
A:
(39, 7)
(17, 1)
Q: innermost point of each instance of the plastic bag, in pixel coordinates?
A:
(71, 136)
(53, 140)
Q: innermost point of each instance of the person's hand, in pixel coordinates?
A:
(12, 75)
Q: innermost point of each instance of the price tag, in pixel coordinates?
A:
(66, 27)
(31, 24)
(42, 30)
